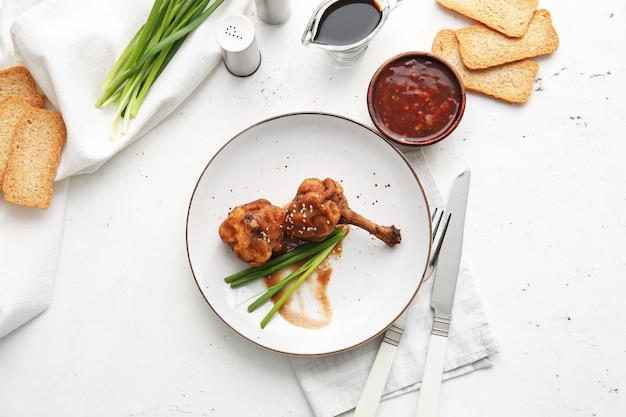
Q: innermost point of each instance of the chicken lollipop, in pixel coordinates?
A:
(320, 205)
(254, 231)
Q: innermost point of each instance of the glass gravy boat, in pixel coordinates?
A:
(344, 28)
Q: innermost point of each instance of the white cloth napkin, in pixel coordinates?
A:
(69, 46)
(333, 384)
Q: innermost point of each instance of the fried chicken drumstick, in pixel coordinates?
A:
(257, 230)
(254, 231)
(320, 205)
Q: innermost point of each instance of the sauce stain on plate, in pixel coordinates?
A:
(309, 306)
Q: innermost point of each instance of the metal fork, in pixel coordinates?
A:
(439, 232)
(370, 397)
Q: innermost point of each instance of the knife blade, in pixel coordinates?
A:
(443, 295)
(370, 397)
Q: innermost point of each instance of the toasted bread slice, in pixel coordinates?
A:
(34, 158)
(11, 110)
(482, 47)
(509, 17)
(18, 81)
(511, 83)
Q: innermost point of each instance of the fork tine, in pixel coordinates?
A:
(436, 218)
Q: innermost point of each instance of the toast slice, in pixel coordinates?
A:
(511, 83)
(482, 47)
(35, 153)
(11, 110)
(18, 81)
(509, 17)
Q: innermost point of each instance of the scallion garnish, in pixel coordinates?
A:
(148, 53)
(288, 258)
(312, 253)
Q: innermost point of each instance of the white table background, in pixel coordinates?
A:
(129, 334)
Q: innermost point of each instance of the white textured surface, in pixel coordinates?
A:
(129, 334)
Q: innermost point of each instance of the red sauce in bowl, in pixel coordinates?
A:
(416, 99)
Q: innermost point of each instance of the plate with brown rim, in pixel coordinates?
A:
(370, 285)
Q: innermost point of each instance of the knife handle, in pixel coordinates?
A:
(431, 381)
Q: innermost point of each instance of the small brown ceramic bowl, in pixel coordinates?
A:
(416, 99)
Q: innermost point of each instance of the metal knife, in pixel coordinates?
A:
(375, 384)
(443, 295)
(370, 397)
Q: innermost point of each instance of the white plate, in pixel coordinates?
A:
(371, 283)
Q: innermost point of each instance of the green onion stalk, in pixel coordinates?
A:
(311, 254)
(147, 54)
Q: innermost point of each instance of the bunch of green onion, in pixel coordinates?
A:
(148, 53)
(311, 254)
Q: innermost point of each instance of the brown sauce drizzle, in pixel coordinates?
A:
(309, 306)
